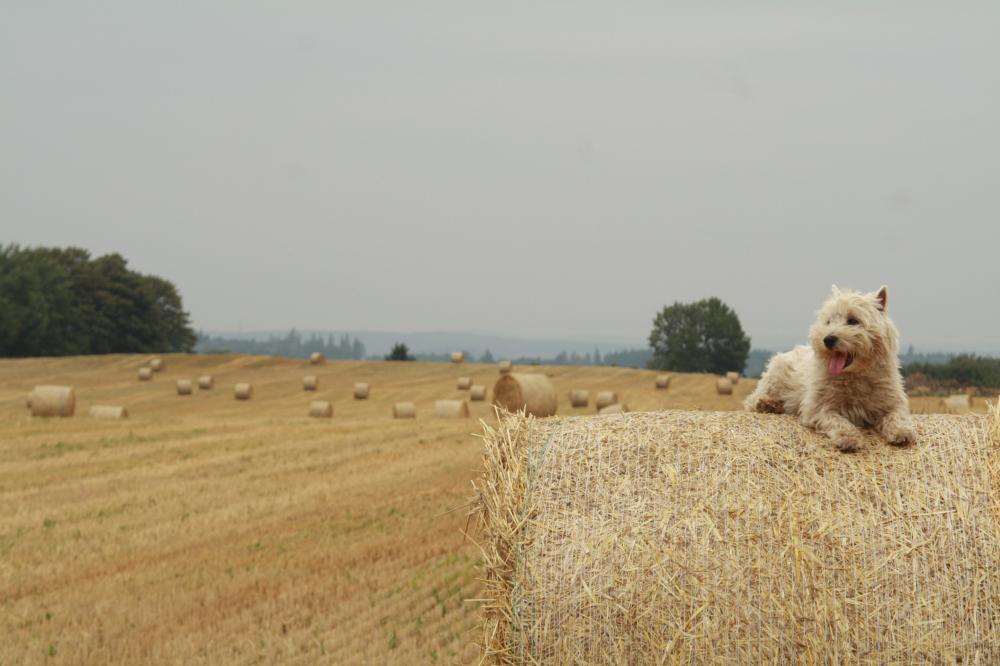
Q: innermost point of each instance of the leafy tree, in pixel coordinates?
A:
(400, 352)
(487, 357)
(705, 336)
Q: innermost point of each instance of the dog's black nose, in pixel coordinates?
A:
(830, 341)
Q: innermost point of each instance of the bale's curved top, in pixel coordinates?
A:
(711, 537)
(533, 393)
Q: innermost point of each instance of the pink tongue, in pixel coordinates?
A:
(837, 363)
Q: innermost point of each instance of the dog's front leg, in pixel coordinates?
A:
(897, 428)
(845, 435)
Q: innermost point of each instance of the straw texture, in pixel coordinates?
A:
(533, 393)
(579, 398)
(737, 538)
(53, 401)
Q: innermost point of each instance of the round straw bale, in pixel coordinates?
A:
(579, 398)
(605, 398)
(53, 401)
(310, 383)
(477, 392)
(534, 393)
(723, 386)
(158, 365)
(404, 410)
(458, 357)
(108, 412)
(361, 391)
(958, 403)
(317, 358)
(206, 382)
(675, 536)
(505, 367)
(662, 381)
(733, 376)
(243, 391)
(28, 401)
(464, 383)
(321, 409)
(616, 408)
(145, 374)
(184, 387)
(451, 409)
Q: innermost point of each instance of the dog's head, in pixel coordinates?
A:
(853, 331)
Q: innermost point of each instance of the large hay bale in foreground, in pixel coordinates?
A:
(361, 390)
(243, 391)
(109, 412)
(157, 365)
(960, 403)
(463, 383)
(737, 538)
(477, 393)
(404, 410)
(451, 409)
(317, 358)
(662, 381)
(145, 374)
(321, 409)
(310, 383)
(605, 398)
(184, 387)
(534, 393)
(49, 401)
(505, 367)
(458, 357)
(579, 398)
(206, 382)
(733, 377)
(723, 386)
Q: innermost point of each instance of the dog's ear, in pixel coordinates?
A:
(882, 298)
(835, 290)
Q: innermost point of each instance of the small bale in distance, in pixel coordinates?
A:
(157, 365)
(361, 391)
(321, 409)
(534, 393)
(206, 382)
(404, 410)
(477, 392)
(145, 374)
(616, 408)
(47, 401)
(29, 399)
(959, 403)
(109, 412)
(310, 383)
(458, 357)
(605, 398)
(464, 383)
(317, 358)
(184, 387)
(663, 381)
(579, 398)
(451, 409)
(733, 376)
(723, 386)
(505, 367)
(243, 391)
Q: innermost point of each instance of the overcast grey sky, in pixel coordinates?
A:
(529, 168)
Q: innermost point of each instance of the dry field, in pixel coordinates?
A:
(208, 530)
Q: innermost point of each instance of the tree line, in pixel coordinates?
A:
(63, 302)
(293, 344)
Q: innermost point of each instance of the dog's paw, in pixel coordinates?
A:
(847, 443)
(769, 406)
(902, 437)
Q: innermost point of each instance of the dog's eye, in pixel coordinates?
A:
(852, 321)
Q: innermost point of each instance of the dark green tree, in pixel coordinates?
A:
(400, 352)
(705, 336)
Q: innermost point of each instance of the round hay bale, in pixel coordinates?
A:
(458, 357)
(451, 409)
(361, 391)
(28, 401)
(404, 410)
(321, 409)
(158, 365)
(310, 383)
(464, 383)
(723, 386)
(49, 401)
(605, 398)
(317, 358)
(108, 412)
(959, 403)
(145, 374)
(616, 408)
(505, 367)
(737, 538)
(733, 376)
(206, 382)
(184, 387)
(534, 393)
(663, 381)
(243, 391)
(579, 398)
(477, 392)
